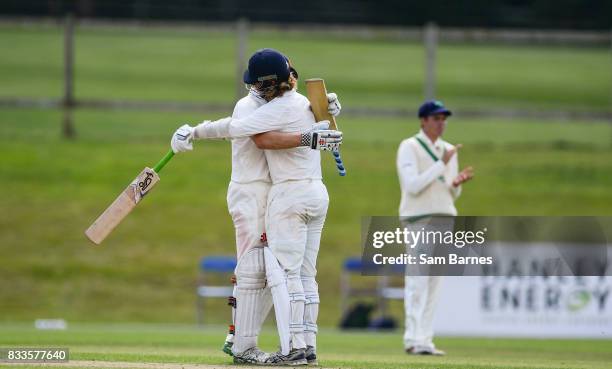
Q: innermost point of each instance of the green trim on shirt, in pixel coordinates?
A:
(433, 156)
(424, 145)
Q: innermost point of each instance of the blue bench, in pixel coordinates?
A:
(213, 265)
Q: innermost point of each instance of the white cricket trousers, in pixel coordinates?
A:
(421, 291)
(247, 203)
(420, 297)
(294, 222)
(247, 206)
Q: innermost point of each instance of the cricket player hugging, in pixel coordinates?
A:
(427, 167)
(274, 194)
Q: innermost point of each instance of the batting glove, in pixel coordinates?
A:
(182, 139)
(322, 138)
(333, 104)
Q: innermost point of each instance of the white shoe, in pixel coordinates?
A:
(425, 351)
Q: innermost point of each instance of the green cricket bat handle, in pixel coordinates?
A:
(160, 165)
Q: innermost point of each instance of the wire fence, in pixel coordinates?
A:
(430, 36)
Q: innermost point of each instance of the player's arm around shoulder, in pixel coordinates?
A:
(319, 137)
(183, 137)
(245, 122)
(265, 119)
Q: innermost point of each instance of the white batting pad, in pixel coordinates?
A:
(280, 295)
(297, 298)
(266, 306)
(250, 286)
(311, 310)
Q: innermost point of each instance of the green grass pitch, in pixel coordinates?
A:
(185, 345)
(58, 187)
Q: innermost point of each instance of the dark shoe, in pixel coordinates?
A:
(294, 358)
(311, 355)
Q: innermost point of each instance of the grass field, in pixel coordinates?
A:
(146, 271)
(187, 345)
(158, 64)
(58, 187)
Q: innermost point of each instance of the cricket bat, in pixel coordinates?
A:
(126, 201)
(317, 95)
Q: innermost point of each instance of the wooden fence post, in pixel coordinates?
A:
(242, 33)
(68, 99)
(430, 39)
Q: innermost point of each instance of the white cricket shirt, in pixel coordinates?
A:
(287, 113)
(426, 184)
(248, 162)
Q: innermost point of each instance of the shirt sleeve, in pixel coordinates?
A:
(453, 167)
(408, 171)
(269, 117)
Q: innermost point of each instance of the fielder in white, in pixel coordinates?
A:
(291, 209)
(430, 183)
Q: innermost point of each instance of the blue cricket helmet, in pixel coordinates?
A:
(266, 65)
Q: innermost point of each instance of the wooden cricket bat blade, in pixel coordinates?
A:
(122, 206)
(317, 95)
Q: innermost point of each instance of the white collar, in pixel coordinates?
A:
(423, 136)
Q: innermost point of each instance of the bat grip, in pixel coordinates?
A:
(160, 165)
(339, 163)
